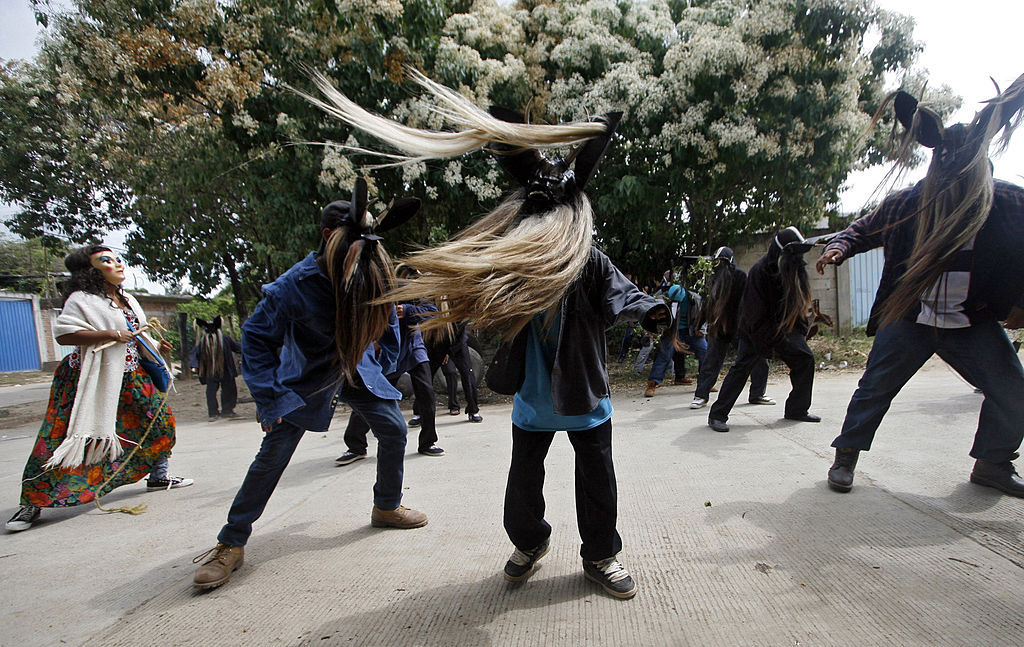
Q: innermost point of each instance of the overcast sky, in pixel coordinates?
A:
(964, 44)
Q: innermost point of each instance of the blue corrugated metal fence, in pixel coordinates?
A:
(18, 348)
(865, 274)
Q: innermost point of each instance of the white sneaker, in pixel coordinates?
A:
(698, 403)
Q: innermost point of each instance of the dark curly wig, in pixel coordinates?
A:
(85, 277)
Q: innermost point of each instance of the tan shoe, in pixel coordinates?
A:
(651, 385)
(223, 561)
(400, 517)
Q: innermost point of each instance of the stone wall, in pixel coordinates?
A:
(831, 290)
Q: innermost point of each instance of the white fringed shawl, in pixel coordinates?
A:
(91, 436)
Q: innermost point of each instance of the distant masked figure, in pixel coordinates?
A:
(213, 359)
(721, 315)
(773, 322)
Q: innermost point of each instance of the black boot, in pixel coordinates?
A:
(1001, 476)
(840, 475)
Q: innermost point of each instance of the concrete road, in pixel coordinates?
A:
(23, 393)
(733, 538)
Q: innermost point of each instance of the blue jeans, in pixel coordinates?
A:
(698, 345)
(386, 422)
(981, 353)
(159, 469)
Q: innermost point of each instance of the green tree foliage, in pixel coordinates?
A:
(29, 266)
(212, 146)
(53, 158)
(740, 116)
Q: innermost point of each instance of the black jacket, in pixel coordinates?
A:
(761, 307)
(996, 264)
(600, 298)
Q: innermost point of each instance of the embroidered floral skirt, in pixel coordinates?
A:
(138, 405)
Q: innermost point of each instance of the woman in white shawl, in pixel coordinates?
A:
(102, 403)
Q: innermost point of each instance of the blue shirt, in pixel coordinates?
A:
(413, 351)
(288, 354)
(532, 407)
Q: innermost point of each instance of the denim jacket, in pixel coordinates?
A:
(288, 354)
(413, 350)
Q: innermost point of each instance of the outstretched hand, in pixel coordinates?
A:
(829, 257)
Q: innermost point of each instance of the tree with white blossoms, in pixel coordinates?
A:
(740, 116)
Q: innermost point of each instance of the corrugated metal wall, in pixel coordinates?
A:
(865, 274)
(18, 348)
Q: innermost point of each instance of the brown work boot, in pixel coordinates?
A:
(223, 561)
(651, 385)
(400, 517)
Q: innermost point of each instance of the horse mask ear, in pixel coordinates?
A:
(359, 203)
(905, 106)
(216, 323)
(521, 164)
(929, 128)
(591, 152)
(399, 212)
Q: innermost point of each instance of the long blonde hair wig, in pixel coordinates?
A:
(513, 262)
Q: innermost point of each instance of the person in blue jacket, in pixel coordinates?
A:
(316, 338)
(412, 359)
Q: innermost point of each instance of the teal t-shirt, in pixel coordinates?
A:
(683, 310)
(532, 408)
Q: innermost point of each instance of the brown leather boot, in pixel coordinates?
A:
(651, 386)
(400, 517)
(223, 561)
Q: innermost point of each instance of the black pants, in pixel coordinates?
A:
(228, 395)
(596, 494)
(423, 406)
(458, 355)
(792, 350)
(712, 366)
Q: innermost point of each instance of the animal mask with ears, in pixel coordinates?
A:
(360, 270)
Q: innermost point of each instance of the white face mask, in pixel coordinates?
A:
(110, 264)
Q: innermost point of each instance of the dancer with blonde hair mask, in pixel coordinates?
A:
(528, 270)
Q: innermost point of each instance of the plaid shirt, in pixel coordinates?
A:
(999, 261)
